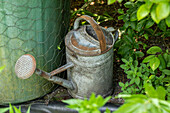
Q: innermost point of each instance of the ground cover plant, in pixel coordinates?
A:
(13, 109)
(152, 102)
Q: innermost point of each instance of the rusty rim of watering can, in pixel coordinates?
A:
(73, 45)
(25, 66)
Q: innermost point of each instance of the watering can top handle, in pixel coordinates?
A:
(96, 28)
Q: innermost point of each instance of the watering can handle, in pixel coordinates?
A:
(96, 28)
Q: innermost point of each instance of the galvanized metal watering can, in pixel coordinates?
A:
(89, 53)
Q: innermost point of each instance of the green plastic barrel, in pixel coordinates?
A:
(35, 27)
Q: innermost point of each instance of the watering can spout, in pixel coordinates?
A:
(89, 50)
(26, 67)
(65, 83)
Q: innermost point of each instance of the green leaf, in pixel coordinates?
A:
(146, 36)
(126, 25)
(124, 67)
(119, 1)
(133, 16)
(161, 92)
(162, 62)
(153, 14)
(150, 91)
(109, 2)
(133, 25)
(139, 54)
(159, 1)
(107, 111)
(129, 72)
(106, 100)
(154, 50)
(162, 25)
(1, 68)
(124, 60)
(120, 17)
(154, 63)
(162, 10)
(16, 110)
(121, 84)
(167, 20)
(142, 12)
(128, 107)
(152, 76)
(149, 23)
(11, 109)
(140, 25)
(137, 80)
(165, 56)
(128, 4)
(130, 32)
(72, 101)
(4, 110)
(148, 58)
(166, 71)
(120, 11)
(28, 111)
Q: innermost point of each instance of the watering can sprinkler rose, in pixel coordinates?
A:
(89, 54)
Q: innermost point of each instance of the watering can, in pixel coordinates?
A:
(89, 54)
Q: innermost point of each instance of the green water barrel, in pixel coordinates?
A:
(36, 27)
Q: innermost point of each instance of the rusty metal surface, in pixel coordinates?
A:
(55, 79)
(90, 62)
(96, 28)
(87, 45)
(93, 65)
(91, 74)
(61, 69)
(25, 66)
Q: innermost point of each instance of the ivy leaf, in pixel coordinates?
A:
(162, 10)
(167, 20)
(109, 2)
(142, 12)
(154, 50)
(154, 63)
(148, 58)
(153, 14)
